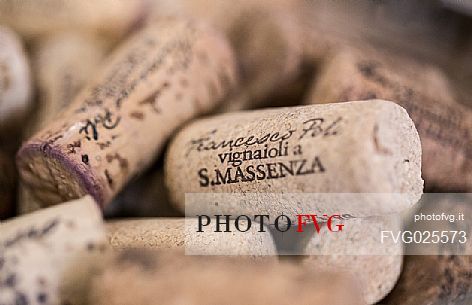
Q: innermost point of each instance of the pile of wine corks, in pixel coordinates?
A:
(113, 112)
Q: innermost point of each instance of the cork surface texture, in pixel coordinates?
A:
(119, 123)
(355, 147)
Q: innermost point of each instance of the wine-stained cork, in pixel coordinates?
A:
(137, 277)
(354, 147)
(33, 18)
(358, 250)
(15, 83)
(8, 178)
(62, 65)
(265, 35)
(182, 234)
(169, 72)
(37, 248)
(443, 124)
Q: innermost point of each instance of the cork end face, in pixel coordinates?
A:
(407, 157)
(392, 158)
(52, 178)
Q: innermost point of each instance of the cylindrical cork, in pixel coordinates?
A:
(138, 277)
(15, 83)
(443, 124)
(264, 34)
(36, 249)
(62, 64)
(355, 147)
(358, 250)
(266, 40)
(169, 72)
(33, 18)
(183, 234)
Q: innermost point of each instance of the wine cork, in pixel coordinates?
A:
(62, 65)
(33, 19)
(171, 71)
(15, 86)
(8, 178)
(300, 150)
(137, 277)
(443, 124)
(358, 250)
(37, 248)
(266, 38)
(182, 234)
